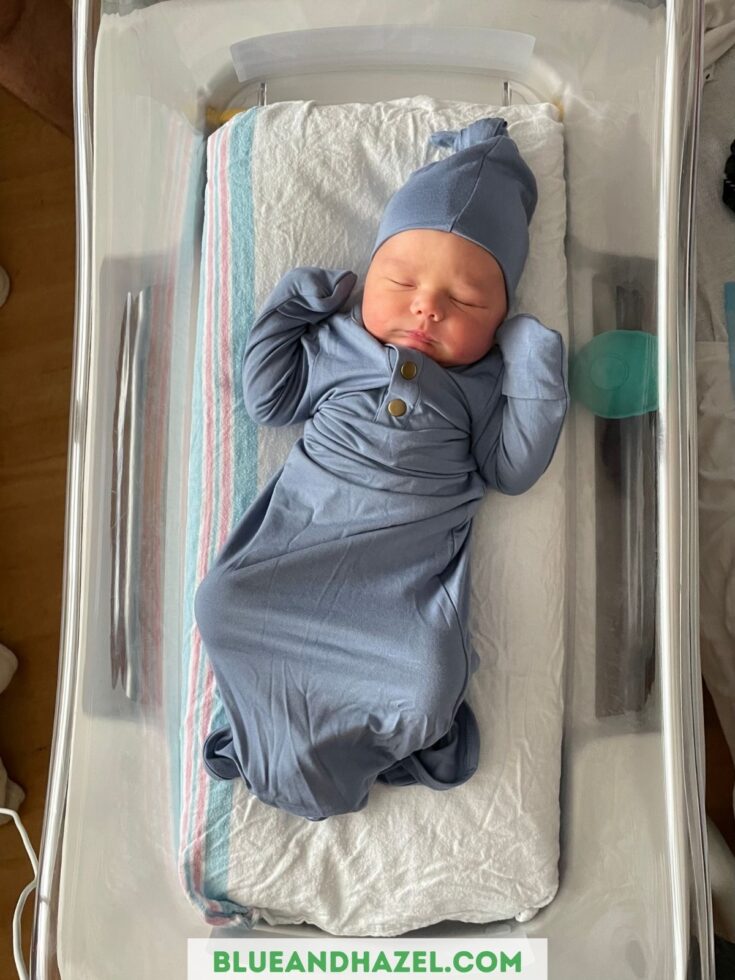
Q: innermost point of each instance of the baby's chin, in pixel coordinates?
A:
(429, 349)
(439, 354)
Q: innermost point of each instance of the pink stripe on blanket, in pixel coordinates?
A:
(206, 520)
(224, 378)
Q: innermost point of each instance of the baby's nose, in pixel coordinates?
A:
(429, 305)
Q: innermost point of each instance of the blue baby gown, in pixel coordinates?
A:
(336, 616)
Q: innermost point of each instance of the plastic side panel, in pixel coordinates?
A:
(328, 49)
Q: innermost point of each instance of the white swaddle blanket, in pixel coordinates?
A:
(319, 177)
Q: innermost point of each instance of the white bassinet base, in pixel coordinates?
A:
(632, 898)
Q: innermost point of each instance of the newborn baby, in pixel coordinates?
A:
(336, 616)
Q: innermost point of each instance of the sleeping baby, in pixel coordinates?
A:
(336, 616)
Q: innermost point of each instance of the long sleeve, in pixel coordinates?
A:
(280, 363)
(515, 440)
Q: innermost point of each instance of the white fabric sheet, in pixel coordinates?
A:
(489, 849)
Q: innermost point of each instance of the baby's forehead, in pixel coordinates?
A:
(432, 250)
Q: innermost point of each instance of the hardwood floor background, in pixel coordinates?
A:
(36, 326)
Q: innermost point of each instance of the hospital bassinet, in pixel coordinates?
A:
(152, 80)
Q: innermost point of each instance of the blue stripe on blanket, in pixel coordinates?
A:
(210, 896)
(194, 501)
(191, 237)
(193, 689)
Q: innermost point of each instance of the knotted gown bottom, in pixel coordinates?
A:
(337, 639)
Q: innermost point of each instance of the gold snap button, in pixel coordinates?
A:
(397, 407)
(408, 370)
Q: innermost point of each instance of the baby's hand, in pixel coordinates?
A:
(534, 359)
(521, 336)
(311, 294)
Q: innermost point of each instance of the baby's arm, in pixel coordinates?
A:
(515, 443)
(283, 346)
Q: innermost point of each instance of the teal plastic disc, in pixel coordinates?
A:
(615, 374)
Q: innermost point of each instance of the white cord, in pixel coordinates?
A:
(20, 965)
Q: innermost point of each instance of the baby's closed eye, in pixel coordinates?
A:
(464, 302)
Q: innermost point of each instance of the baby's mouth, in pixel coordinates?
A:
(419, 338)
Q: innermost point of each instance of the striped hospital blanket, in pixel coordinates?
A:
(301, 184)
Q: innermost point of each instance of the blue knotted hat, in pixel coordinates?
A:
(484, 192)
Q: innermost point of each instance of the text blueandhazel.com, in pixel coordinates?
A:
(336, 961)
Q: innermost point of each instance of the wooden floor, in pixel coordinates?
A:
(36, 328)
(37, 249)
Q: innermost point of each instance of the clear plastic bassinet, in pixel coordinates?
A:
(152, 79)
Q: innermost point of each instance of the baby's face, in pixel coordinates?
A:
(435, 292)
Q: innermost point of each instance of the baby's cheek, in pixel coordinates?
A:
(472, 344)
(371, 317)
(377, 315)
